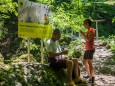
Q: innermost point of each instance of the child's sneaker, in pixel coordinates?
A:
(91, 80)
(79, 81)
(86, 76)
(71, 83)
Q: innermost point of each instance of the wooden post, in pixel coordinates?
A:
(102, 20)
(28, 49)
(96, 30)
(42, 60)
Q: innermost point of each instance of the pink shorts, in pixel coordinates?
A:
(56, 62)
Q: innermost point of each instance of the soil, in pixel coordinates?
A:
(100, 56)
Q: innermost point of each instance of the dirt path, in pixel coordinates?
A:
(102, 54)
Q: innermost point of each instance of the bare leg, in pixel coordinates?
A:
(91, 68)
(85, 63)
(75, 67)
(69, 64)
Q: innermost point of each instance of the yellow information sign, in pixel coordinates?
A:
(34, 30)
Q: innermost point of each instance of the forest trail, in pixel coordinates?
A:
(102, 54)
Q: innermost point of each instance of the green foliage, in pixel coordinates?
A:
(7, 8)
(101, 10)
(112, 43)
(23, 58)
(113, 20)
(65, 14)
(108, 66)
(109, 41)
(34, 48)
(110, 61)
(65, 40)
(3, 31)
(8, 29)
(76, 49)
(1, 58)
(31, 74)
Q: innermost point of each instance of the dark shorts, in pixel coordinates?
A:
(89, 54)
(55, 62)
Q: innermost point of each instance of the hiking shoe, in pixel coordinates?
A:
(71, 83)
(91, 80)
(86, 76)
(79, 81)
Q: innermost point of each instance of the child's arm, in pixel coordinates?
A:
(88, 38)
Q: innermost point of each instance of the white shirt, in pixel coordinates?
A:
(52, 46)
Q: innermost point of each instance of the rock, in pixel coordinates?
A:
(108, 47)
